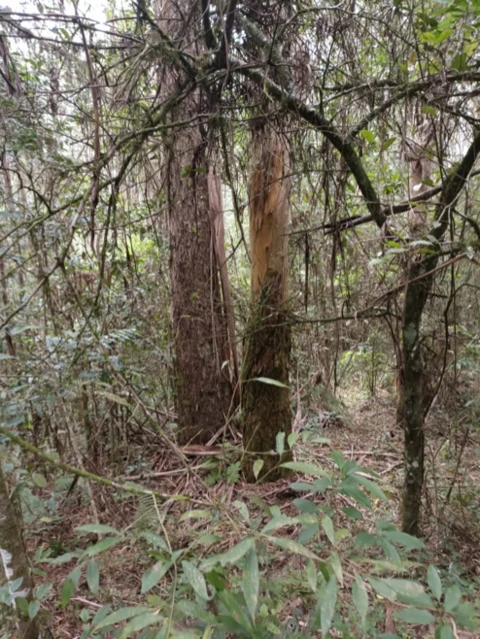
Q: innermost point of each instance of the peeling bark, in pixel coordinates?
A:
(266, 406)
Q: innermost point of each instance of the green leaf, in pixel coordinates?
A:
(414, 615)
(120, 615)
(312, 576)
(410, 592)
(383, 589)
(102, 545)
(292, 439)
(196, 514)
(388, 143)
(268, 380)
(367, 135)
(33, 608)
(280, 443)
(139, 623)
(292, 546)
(466, 616)
(306, 506)
(196, 579)
(39, 480)
(404, 539)
(42, 591)
(328, 600)
(257, 467)
(98, 529)
(156, 540)
(153, 575)
(251, 582)
(372, 487)
(452, 598)
(444, 632)
(336, 565)
(327, 525)
(68, 588)
(305, 468)
(360, 598)
(233, 555)
(237, 612)
(434, 582)
(93, 576)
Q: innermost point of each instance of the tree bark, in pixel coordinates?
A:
(266, 404)
(416, 296)
(202, 387)
(14, 563)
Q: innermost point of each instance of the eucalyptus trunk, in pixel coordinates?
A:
(265, 373)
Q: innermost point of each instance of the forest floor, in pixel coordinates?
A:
(368, 436)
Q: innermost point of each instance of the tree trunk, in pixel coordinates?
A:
(266, 404)
(14, 564)
(202, 387)
(421, 277)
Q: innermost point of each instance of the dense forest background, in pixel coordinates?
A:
(239, 319)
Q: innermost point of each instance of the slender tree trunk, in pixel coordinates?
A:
(266, 404)
(14, 563)
(421, 279)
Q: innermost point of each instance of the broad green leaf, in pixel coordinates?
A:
(466, 616)
(120, 615)
(196, 579)
(153, 575)
(305, 468)
(269, 380)
(444, 632)
(404, 539)
(292, 439)
(155, 540)
(452, 598)
(327, 525)
(257, 467)
(434, 582)
(338, 458)
(328, 598)
(233, 555)
(42, 591)
(251, 582)
(306, 506)
(75, 575)
(360, 598)
(33, 608)
(414, 615)
(39, 480)
(139, 623)
(356, 494)
(102, 545)
(93, 576)
(68, 588)
(312, 576)
(383, 589)
(367, 135)
(308, 532)
(98, 529)
(410, 592)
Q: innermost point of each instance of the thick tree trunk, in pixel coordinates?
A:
(202, 388)
(14, 564)
(266, 404)
(202, 385)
